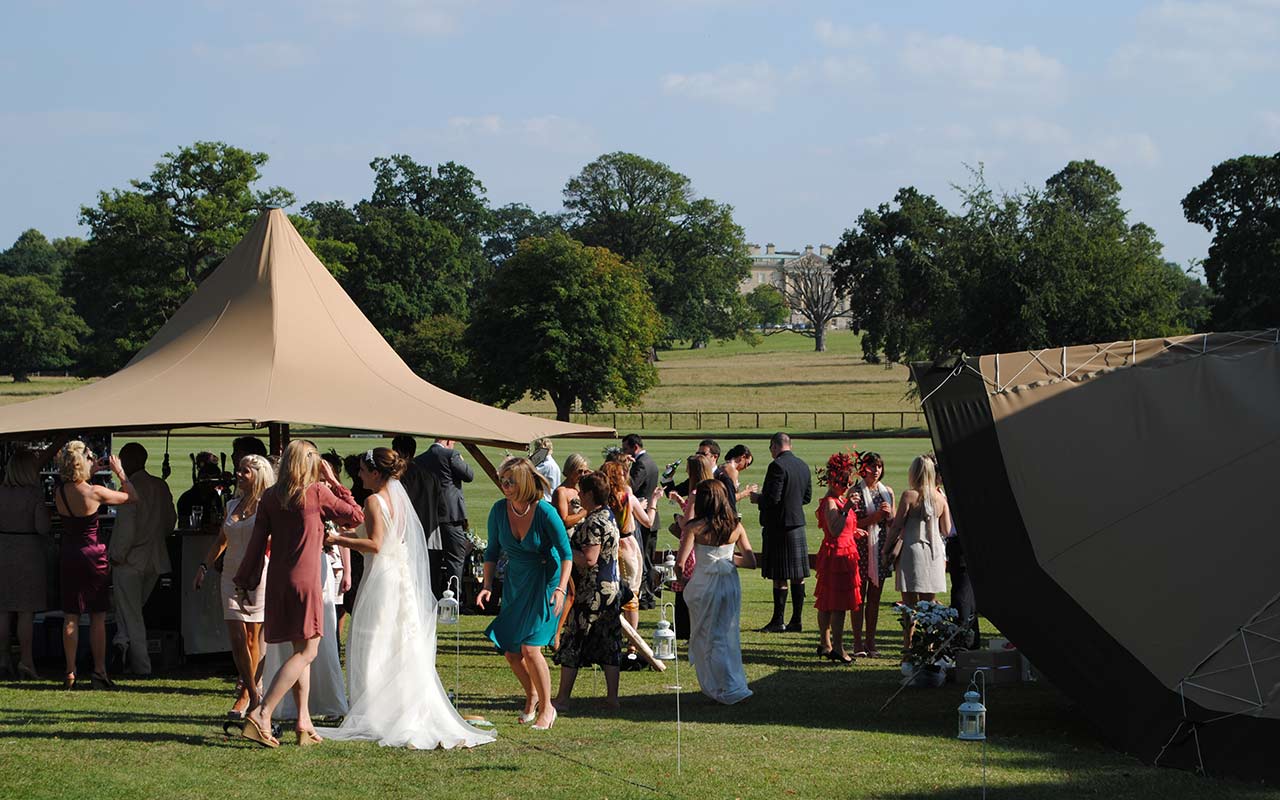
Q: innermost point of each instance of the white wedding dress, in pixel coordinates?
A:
(714, 597)
(395, 695)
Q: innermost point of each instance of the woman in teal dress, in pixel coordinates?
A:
(539, 561)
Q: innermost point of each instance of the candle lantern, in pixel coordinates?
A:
(973, 717)
(447, 608)
(668, 567)
(664, 638)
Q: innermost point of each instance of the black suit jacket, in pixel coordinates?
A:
(423, 489)
(451, 472)
(644, 479)
(787, 490)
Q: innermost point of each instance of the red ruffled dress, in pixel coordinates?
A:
(839, 587)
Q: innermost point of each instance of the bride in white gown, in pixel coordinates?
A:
(395, 695)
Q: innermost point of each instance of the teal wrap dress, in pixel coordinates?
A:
(533, 573)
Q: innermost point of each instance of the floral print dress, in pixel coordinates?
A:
(593, 631)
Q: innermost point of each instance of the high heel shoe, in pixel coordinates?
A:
(525, 719)
(100, 681)
(69, 682)
(27, 673)
(547, 727)
(824, 652)
(308, 738)
(842, 658)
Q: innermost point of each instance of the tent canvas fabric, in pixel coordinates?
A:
(270, 336)
(1116, 507)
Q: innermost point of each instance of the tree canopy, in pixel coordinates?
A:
(1239, 203)
(150, 245)
(1025, 270)
(39, 329)
(564, 321)
(689, 249)
(34, 255)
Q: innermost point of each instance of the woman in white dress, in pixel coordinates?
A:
(241, 612)
(714, 593)
(396, 697)
(922, 515)
(328, 693)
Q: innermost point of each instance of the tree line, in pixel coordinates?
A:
(497, 302)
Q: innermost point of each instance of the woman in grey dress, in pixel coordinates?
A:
(922, 516)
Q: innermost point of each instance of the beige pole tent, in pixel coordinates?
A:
(270, 337)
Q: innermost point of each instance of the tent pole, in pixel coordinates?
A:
(483, 461)
(278, 432)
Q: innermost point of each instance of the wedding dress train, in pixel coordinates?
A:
(395, 695)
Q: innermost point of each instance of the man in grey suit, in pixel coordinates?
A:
(450, 471)
(784, 549)
(644, 479)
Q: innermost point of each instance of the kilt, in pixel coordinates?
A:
(784, 554)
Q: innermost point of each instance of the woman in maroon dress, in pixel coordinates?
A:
(291, 518)
(85, 572)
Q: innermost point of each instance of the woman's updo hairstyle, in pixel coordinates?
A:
(384, 461)
(75, 461)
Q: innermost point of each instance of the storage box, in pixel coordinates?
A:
(164, 648)
(1000, 666)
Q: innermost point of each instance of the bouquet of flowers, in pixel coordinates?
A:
(936, 637)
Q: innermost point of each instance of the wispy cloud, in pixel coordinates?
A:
(974, 66)
(275, 55)
(748, 86)
(1211, 45)
(546, 132)
(1132, 148)
(835, 35)
(421, 17)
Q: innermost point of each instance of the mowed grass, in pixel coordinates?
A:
(812, 729)
(782, 373)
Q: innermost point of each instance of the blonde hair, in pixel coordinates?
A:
(75, 461)
(263, 479)
(699, 468)
(531, 485)
(299, 469)
(574, 463)
(923, 478)
(21, 469)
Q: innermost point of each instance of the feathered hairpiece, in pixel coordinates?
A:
(368, 458)
(840, 467)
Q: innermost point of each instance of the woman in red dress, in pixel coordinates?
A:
(291, 519)
(838, 587)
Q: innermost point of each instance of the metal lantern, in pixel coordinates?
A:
(668, 567)
(447, 609)
(664, 638)
(973, 717)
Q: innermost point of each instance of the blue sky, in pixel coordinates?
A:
(799, 114)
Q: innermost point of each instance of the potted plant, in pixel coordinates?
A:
(934, 642)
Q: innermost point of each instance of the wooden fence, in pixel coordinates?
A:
(654, 420)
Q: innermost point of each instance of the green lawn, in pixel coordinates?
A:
(811, 730)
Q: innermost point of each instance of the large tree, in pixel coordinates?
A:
(32, 254)
(689, 249)
(38, 328)
(150, 245)
(565, 321)
(897, 268)
(1031, 269)
(1240, 204)
(810, 290)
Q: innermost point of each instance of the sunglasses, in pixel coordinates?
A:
(507, 482)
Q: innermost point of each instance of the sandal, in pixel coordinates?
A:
(308, 738)
(254, 733)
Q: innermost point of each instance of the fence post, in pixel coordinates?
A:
(902, 420)
(699, 423)
(873, 420)
(786, 420)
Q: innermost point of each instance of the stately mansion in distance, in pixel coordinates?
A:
(773, 265)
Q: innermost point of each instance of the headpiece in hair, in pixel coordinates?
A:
(839, 469)
(368, 459)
